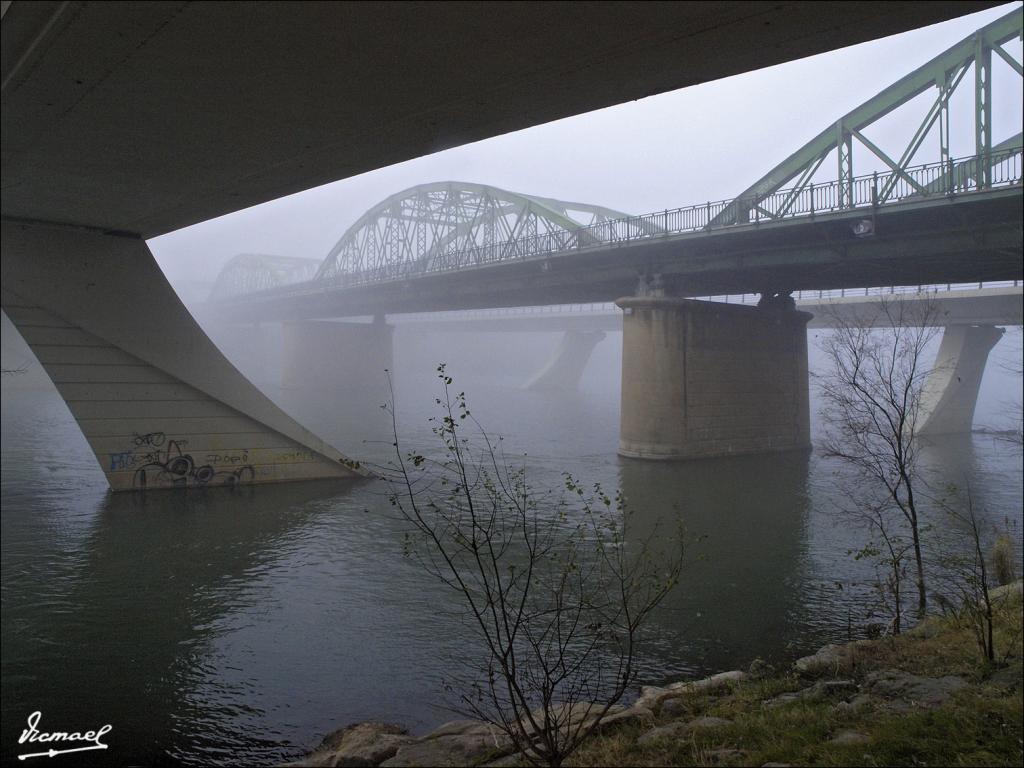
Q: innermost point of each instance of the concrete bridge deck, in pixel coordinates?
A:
(988, 305)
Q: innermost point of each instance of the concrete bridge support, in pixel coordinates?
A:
(564, 368)
(343, 358)
(160, 406)
(950, 393)
(703, 379)
(253, 348)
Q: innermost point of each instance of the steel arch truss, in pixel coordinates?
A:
(900, 177)
(451, 225)
(251, 272)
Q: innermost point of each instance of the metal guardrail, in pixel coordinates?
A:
(919, 183)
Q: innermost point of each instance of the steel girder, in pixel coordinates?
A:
(425, 228)
(943, 73)
(251, 272)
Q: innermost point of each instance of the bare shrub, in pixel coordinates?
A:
(554, 586)
(872, 392)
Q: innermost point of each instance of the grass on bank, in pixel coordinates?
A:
(980, 725)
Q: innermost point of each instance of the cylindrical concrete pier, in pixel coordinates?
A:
(703, 379)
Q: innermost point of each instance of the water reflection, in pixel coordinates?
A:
(745, 517)
(958, 462)
(158, 574)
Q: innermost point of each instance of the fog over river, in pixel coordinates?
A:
(239, 626)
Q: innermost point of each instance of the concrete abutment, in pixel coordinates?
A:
(950, 393)
(703, 379)
(159, 404)
(563, 370)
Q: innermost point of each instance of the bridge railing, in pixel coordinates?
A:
(928, 181)
(918, 183)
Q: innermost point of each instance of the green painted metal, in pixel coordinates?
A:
(844, 156)
(943, 118)
(960, 174)
(251, 272)
(420, 228)
(982, 108)
(944, 72)
(925, 186)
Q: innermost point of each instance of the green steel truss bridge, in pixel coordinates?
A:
(252, 272)
(811, 222)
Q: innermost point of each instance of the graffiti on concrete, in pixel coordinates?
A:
(163, 462)
(297, 455)
(173, 467)
(155, 439)
(229, 459)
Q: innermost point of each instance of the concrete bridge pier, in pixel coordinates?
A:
(159, 404)
(950, 393)
(564, 368)
(346, 359)
(703, 379)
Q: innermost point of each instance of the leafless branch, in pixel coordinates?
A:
(872, 392)
(555, 589)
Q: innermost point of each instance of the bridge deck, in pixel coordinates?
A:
(990, 305)
(972, 237)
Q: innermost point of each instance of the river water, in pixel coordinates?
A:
(221, 626)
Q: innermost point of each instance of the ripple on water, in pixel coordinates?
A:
(222, 627)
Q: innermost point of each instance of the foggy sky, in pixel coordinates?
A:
(707, 142)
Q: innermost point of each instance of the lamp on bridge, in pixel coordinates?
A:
(863, 228)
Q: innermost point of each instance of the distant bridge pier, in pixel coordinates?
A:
(951, 391)
(254, 348)
(346, 359)
(564, 368)
(703, 379)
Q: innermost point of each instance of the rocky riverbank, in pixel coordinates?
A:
(924, 698)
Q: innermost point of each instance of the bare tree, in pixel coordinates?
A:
(966, 579)
(876, 369)
(889, 551)
(556, 590)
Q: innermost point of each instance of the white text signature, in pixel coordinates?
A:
(32, 735)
